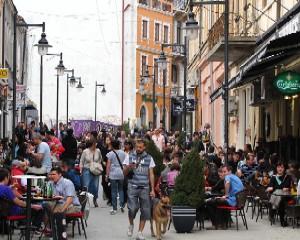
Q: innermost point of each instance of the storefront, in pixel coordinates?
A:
(270, 82)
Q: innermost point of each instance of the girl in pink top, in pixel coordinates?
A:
(175, 170)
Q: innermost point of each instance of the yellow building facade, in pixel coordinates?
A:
(154, 27)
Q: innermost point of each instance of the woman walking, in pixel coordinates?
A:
(90, 180)
(114, 174)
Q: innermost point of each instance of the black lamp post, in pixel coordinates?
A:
(72, 80)
(144, 79)
(163, 65)
(103, 92)
(193, 27)
(60, 72)
(42, 49)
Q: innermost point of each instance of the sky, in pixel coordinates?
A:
(89, 35)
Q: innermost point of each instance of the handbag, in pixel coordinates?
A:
(95, 167)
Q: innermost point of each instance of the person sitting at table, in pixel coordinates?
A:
(247, 171)
(41, 158)
(233, 185)
(64, 190)
(17, 205)
(219, 187)
(70, 173)
(279, 186)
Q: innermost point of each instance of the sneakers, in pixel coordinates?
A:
(140, 236)
(122, 209)
(113, 212)
(130, 231)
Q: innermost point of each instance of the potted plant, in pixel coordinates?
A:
(188, 193)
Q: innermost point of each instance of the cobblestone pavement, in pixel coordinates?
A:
(101, 225)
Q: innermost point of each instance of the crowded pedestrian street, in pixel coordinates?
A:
(149, 119)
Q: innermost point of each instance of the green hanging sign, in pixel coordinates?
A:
(287, 82)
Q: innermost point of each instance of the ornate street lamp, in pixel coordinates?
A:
(43, 44)
(191, 25)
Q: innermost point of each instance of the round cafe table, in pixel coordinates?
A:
(28, 200)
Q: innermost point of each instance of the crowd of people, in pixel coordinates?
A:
(119, 162)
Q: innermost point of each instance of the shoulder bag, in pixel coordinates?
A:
(96, 167)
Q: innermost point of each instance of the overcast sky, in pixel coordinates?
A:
(88, 34)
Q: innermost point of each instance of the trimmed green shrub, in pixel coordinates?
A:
(189, 186)
(157, 157)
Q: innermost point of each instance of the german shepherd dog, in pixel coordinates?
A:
(161, 217)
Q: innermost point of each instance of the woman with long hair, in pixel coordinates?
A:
(90, 180)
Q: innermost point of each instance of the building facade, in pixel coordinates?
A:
(154, 27)
(262, 45)
(130, 36)
(8, 11)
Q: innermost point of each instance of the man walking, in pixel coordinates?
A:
(138, 167)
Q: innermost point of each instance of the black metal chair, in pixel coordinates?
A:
(238, 209)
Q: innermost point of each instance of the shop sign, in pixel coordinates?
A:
(177, 107)
(190, 105)
(287, 82)
(3, 73)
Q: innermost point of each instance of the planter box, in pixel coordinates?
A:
(183, 218)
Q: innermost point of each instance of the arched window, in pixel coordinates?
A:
(143, 116)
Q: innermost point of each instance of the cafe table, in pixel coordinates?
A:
(28, 178)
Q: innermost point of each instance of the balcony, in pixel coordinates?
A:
(240, 45)
(180, 5)
(145, 2)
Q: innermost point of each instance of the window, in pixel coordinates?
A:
(157, 30)
(166, 34)
(143, 116)
(145, 29)
(144, 65)
(174, 74)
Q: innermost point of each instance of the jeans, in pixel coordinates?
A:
(90, 181)
(138, 198)
(117, 187)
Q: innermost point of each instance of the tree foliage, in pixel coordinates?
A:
(157, 157)
(189, 187)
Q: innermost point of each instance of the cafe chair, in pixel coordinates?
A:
(238, 209)
(5, 206)
(262, 201)
(78, 217)
(293, 213)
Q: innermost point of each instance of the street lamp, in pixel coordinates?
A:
(42, 50)
(60, 72)
(71, 80)
(43, 45)
(60, 67)
(191, 24)
(145, 78)
(162, 61)
(103, 92)
(162, 64)
(79, 86)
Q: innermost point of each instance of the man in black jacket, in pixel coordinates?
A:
(70, 144)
